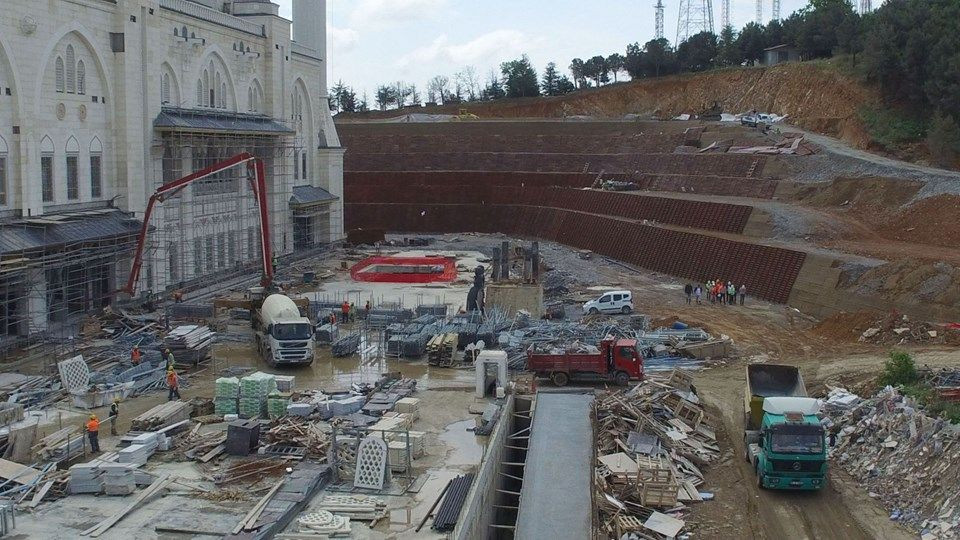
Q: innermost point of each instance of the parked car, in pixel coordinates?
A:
(610, 302)
(749, 120)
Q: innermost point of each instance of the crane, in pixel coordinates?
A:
(170, 189)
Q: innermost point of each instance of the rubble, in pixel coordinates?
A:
(653, 442)
(896, 329)
(904, 458)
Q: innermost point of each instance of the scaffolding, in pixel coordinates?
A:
(59, 270)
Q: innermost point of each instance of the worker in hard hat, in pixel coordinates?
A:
(135, 355)
(114, 413)
(173, 383)
(168, 356)
(93, 432)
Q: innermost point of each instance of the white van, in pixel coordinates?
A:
(610, 302)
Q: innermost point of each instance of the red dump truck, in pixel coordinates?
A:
(616, 360)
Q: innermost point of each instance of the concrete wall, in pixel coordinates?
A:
(478, 511)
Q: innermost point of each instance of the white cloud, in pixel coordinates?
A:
(342, 39)
(369, 12)
(483, 50)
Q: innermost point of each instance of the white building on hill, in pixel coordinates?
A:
(102, 101)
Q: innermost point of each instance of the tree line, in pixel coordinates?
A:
(909, 48)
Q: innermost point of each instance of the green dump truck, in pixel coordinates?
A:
(783, 437)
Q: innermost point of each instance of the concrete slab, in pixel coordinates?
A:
(555, 499)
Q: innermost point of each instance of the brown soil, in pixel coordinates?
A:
(934, 220)
(815, 95)
(846, 327)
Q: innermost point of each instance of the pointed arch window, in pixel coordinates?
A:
(71, 62)
(223, 95)
(81, 78)
(165, 88)
(199, 93)
(61, 85)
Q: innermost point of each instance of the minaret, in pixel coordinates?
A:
(310, 29)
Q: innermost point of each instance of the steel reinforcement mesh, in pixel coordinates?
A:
(768, 272)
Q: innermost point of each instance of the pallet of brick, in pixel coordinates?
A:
(119, 478)
(224, 406)
(227, 387)
(162, 415)
(86, 478)
(252, 407)
(257, 385)
(277, 405)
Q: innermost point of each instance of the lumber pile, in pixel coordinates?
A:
(653, 442)
(162, 416)
(441, 349)
(296, 432)
(189, 344)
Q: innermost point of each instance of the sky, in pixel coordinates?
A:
(371, 42)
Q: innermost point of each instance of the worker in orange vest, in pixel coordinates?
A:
(135, 355)
(93, 431)
(173, 383)
(345, 311)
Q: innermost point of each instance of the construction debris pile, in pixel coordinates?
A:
(189, 344)
(653, 443)
(902, 456)
(896, 329)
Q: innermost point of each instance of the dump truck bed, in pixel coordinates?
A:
(769, 380)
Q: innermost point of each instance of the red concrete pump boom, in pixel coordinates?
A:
(257, 183)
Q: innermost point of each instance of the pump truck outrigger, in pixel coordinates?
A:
(283, 336)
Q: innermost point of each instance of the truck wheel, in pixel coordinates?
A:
(560, 378)
(760, 479)
(594, 311)
(622, 378)
(625, 310)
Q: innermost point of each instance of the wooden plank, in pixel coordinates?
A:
(39, 495)
(254, 513)
(217, 450)
(105, 525)
(15, 472)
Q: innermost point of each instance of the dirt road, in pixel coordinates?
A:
(840, 510)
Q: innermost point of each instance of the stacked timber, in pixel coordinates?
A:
(162, 416)
(441, 350)
(189, 344)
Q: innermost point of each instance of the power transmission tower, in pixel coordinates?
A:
(695, 16)
(724, 14)
(865, 6)
(659, 7)
(760, 12)
(776, 11)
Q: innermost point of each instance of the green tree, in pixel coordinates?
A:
(818, 32)
(549, 83)
(898, 370)
(943, 140)
(616, 63)
(519, 78)
(597, 69)
(659, 58)
(752, 42)
(773, 34)
(728, 53)
(698, 53)
(386, 95)
(493, 90)
(335, 93)
(578, 70)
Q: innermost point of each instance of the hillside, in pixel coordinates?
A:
(815, 95)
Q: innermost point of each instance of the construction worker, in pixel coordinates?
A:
(333, 318)
(743, 293)
(275, 262)
(345, 311)
(93, 431)
(698, 292)
(688, 290)
(168, 356)
(173, 383)
(135, 355)
(114, 413)
(366, 310)
(177, 297)
(731, 293)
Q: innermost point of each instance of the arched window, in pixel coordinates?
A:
(303, 165)
(81, 78)
(199, 93)
(96, 168)
(46, 169)
(250, 100)
(71, 70)
(165, 88)
(223, 95)
(205, 101)
(183, 32)
(214, 97)
(3, 172)
(73, 169)
(60, 84)
(176, 32)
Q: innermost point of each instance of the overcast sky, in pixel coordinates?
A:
(376, 41)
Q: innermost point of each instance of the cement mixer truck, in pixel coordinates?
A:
(284, 336)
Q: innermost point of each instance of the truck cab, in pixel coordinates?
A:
(284, 337)
(790, 450)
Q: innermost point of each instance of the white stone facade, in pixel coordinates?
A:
(83, 81)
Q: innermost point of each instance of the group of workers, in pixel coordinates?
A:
(347, 311)
(173, 387)
(717, 291)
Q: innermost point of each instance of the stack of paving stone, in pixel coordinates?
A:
(226, 394)
(86, 478)
(119, 478)
(277, 404)
(141, 448)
